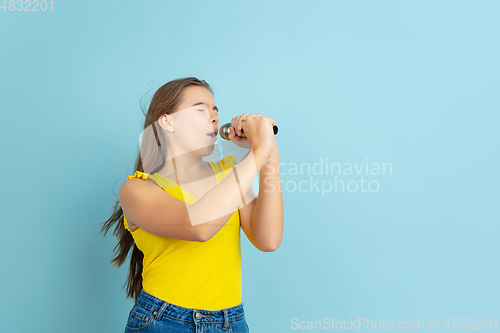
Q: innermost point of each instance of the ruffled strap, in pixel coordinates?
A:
(139, 174)
(228, 162)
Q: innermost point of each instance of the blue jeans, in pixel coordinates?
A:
(151, 314)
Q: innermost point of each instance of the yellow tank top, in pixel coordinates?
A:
(201, 275)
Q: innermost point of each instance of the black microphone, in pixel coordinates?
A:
(224, 131)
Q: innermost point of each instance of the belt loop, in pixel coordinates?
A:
(159, 313)
(226, 320)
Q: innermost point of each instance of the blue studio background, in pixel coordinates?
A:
(413, 85)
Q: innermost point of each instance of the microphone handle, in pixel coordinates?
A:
(224, 131)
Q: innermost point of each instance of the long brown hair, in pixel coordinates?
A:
(165, 101)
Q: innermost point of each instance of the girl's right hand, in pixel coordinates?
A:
(258, 130)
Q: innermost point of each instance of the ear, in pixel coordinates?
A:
(165, 121)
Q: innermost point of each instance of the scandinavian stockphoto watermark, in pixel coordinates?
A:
(325, 177)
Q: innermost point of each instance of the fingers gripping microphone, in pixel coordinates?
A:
(224, 131)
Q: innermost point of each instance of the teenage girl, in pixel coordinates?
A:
(185, 266)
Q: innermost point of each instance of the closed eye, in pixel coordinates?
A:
(217, 112)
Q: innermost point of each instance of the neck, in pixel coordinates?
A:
(183, 168)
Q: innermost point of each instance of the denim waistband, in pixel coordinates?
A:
(161, 308)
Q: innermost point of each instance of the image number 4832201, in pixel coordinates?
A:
(27, 5)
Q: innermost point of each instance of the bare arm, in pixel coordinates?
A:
(267, 219)
(219, 203)
(161, 214)
(262, 219)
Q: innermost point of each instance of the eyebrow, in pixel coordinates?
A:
(199, 103)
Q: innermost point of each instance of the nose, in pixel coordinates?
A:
(214, 117)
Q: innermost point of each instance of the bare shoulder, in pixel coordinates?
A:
(138, 184)
(129, 190)
(155, 211)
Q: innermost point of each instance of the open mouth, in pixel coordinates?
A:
(213, 136)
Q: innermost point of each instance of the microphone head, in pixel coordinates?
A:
(224, 131)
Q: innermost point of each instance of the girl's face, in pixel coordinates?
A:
(196, 122)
